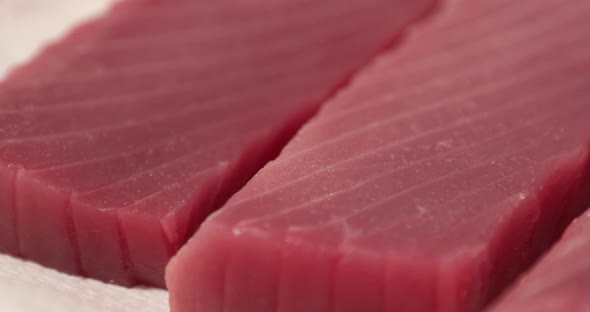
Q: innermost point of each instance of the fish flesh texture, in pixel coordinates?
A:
(560, 281)
(444, 169)
(116, 142)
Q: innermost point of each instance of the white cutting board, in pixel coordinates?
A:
(25, 25)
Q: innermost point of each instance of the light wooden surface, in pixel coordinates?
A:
(25, 26)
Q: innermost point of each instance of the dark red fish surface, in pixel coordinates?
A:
(437, 176)
(116, 142)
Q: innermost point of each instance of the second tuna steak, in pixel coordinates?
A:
(440, 173)
(118, 141)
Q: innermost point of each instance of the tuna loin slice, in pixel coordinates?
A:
(560, 281)
(116, 142)
(427, 185)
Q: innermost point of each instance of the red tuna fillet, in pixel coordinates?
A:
(442, 171)
(561, 281)
(116, 142)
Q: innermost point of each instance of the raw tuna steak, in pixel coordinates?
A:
(561, 281)
(116, 142)
(427, 185)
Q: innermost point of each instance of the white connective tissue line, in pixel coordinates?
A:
(26, 25)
